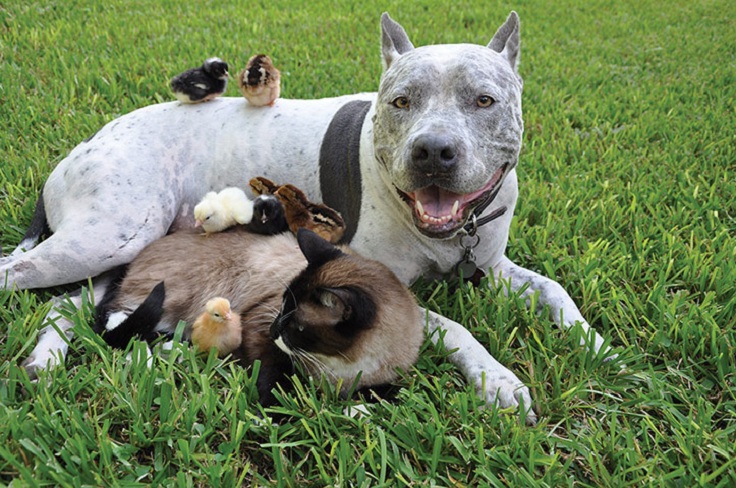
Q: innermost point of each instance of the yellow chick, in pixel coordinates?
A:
(218, 211)
(217, 327)
(260, 81)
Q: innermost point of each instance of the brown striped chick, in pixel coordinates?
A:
(260, 185)
(260, 81)
(218, 327)
(300, 212)
(218, 211)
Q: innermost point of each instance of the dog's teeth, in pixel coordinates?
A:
(432, 220)
(429, 219)
(419, 207)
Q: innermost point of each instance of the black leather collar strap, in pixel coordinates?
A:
(339, 164)
(474, 222)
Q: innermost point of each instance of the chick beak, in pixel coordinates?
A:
(197, 223)
(228, 316)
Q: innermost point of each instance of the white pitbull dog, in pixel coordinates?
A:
(423, 172)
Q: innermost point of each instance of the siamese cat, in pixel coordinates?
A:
(300, 299)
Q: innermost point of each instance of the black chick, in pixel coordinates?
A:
(268, 216)
(201, 84)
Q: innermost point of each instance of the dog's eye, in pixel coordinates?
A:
(484, 101)
(400, 102)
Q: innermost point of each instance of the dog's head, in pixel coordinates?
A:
(447, 125)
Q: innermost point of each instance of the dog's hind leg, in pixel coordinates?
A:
(562, 308)
(53, 339)
(84, 247)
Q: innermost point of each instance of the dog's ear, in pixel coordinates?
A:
(394, 41)
(506, 40)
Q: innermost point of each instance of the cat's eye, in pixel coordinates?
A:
(300, 328)
(400, 102)
(484, 101)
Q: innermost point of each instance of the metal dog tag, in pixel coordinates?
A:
(465, 269)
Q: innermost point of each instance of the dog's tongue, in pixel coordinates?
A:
(437, 202)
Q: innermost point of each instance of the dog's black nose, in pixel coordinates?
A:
(434, 154)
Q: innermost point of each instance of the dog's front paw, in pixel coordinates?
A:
(502, 389)
(37, 362)
(494, 383)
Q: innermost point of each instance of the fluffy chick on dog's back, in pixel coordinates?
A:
(260, 81)
(218, 211)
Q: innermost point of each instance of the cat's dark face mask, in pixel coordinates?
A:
(317, 318)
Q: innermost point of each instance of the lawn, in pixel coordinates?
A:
(628, 199)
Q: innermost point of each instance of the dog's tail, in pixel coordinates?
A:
(139, 324)
(39, 227)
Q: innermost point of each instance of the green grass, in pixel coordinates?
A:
(629, 177)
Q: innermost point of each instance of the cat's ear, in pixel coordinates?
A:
(317, 250)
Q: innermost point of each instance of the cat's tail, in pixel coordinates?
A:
(141, 323)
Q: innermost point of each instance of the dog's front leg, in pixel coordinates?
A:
(493, 382)
(564, 311)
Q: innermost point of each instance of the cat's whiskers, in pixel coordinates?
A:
(271, 308)
(286, 285)
(288, 315)
(264, 317)
(293, 297)
(345, 356)
(307, 359)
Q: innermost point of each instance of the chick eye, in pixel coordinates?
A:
(208, 217)
(400, 102)
(484, 101)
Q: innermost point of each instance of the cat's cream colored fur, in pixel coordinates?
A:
(254, 271)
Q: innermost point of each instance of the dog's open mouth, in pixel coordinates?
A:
(439, 213)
